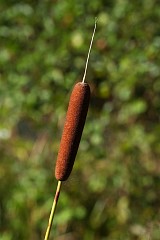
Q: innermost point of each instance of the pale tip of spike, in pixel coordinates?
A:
(90, 46)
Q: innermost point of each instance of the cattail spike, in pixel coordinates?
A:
(90, 46)
(72, 131)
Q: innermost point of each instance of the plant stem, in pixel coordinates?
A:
(55, 201)
(90, 46)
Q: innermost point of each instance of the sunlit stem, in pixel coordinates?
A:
(54, 205)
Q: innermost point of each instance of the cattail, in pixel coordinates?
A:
(72, 132)
(74, 124)
(71, 136)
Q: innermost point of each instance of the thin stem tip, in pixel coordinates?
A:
(90, 46)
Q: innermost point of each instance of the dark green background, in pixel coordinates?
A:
(114, 190)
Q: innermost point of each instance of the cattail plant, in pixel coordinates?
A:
(71, 136)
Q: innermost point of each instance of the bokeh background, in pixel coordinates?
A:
(114, 190)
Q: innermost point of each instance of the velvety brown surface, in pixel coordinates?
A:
(72, 132)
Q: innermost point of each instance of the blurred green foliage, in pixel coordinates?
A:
(113, 192)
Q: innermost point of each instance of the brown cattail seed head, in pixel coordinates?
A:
(72, 132)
